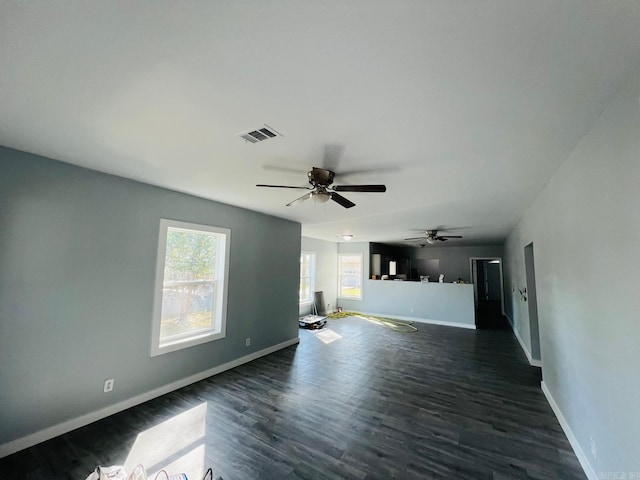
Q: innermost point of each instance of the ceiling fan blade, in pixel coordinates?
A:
(332, 156)
(282, 186)
(442, 239)
(300, 199)
(341, 200)
(360, 188)
(293, 171)
(450, 236)
(366, 171)
(415, 238)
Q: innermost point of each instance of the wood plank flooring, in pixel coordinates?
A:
(441, 403)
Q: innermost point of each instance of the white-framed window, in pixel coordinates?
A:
(307, 277)
(350, 276)
(192, 273)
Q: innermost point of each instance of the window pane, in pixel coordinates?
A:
(189, 286)
(355, 292)
(305, 290)
(350, 276)
(305, 270)
(350, 264)
(307, 265)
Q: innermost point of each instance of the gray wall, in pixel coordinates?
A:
(454, 261)
(585, 229)
(326, 270)
(77, 266)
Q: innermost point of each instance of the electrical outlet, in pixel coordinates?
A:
(594, 450)
(108, 385)
(247, 342)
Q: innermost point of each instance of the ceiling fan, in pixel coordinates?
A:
(431, 237)
(322, 190)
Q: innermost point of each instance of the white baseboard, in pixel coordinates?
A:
(421, 320)
(582, 458)
(65, 427)
(509, 319)
(532, 361)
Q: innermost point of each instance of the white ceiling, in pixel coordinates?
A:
(467, 108)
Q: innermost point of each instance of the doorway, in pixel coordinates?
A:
(532, 302)
(488, 292)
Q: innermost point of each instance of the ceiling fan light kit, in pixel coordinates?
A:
(321, 197)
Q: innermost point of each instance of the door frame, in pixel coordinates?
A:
(475, 282)
(532, 305)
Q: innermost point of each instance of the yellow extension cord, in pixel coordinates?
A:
(396, 325)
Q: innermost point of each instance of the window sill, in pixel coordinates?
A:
(187, 342)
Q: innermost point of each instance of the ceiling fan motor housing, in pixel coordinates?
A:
(320, 176)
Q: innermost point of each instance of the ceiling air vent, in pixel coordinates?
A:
(259, 134)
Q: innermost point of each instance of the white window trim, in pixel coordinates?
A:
(312, 285)
(196, 338)
(361, 297)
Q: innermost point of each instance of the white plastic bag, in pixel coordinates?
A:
(115, 472)
(139, 473)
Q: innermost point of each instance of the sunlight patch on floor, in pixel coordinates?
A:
(190, 463)
(328, 336)
(176, 445)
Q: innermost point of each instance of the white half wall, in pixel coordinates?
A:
(440, 303)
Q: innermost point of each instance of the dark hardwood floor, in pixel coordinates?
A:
(442, 403)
